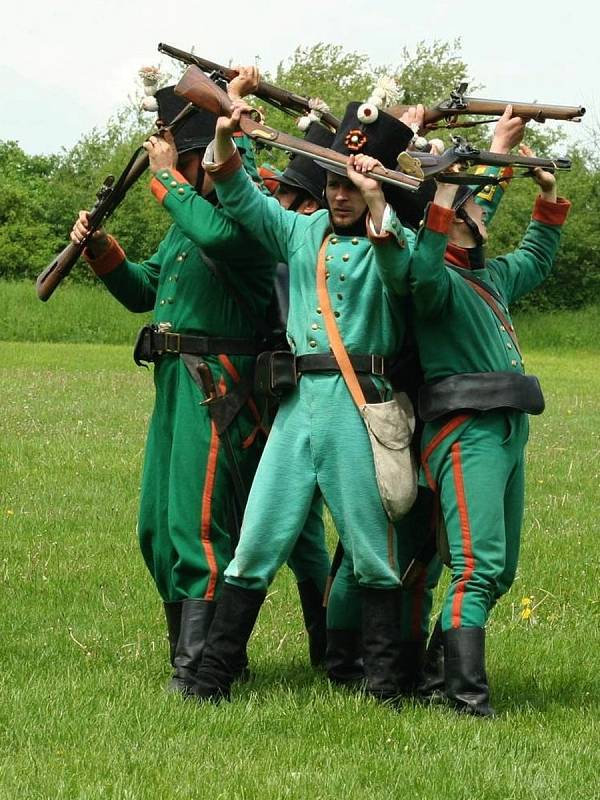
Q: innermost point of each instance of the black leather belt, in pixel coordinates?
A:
(325, 362)
(480, 391)
(151, 344)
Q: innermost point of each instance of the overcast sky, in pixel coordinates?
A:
(65, 66)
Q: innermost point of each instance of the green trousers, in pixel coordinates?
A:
(343, 606)
(476, 465)
(318, 443)
(186, 516)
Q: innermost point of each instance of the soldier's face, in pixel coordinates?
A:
(346, 203)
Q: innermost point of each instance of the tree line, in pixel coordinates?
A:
(41, 194)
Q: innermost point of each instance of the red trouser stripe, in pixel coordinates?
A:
(235, 375)
(465, 530)
(207, 495)
(450, 426)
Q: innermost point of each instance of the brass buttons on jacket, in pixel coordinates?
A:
(342, 276)
(314, 326)
(318, 310)
(173, 183)
(181, 191)
(354, 240)
(333, 241)
(345, 257)
(312, 343)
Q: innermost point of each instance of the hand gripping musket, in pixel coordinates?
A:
(200, 90)
(288, 102)
(457, 105)
(109, 196)
(427, 165)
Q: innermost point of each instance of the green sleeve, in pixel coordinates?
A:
(135, 285)
(262, 216)
(392, 255)
(430, 283)
(207, 226)
(524, 269)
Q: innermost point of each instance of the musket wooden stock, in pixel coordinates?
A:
(450, 109)
(280, 98)
(200, 90)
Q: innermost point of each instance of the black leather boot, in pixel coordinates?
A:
(381, 641)
(315, 623)
(196, 619)
(225, 649)
(464, 664)
(410, 667)
(344, 660)
(432, 685)
(173, 617)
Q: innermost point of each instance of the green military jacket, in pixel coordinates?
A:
(456, 330)
(367, 277)
(176, 282)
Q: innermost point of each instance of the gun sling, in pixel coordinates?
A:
(480, 391)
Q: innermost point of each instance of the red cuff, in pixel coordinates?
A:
(551, 213)
(109, 260)
(439, 219)
(376, 238)
(220, 172)
(158, 189)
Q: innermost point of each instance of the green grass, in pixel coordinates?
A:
(84, 656)
(87, 313)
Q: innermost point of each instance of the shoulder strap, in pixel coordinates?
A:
(221, 272)
(491, 298)
(335, 340)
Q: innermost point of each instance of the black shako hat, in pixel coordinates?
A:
(368, 130)
(302, 172)
(196, 132)
(383, 138)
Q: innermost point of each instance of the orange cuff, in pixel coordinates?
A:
(158, 188)
(439, 219)
(109, 260)
(551, 213)
(220, 172)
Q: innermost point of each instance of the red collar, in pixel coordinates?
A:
(457, 256)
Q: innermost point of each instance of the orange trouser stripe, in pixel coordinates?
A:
(465, 529)
(450, 426)
(207, 495)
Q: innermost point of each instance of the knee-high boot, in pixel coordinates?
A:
(225, 649)
(410, 669)
(432, 684)
(344, 660)
(464, 665)
(314, 613)
(173, 617)
(381, 641)
(196, 619)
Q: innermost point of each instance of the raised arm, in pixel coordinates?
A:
(258, 214)
(524, 269)
(392, 243)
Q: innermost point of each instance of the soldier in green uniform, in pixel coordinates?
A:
(318, 440)
(343, 662)
(475, 403)
(200, 330)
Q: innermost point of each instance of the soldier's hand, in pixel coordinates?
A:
(508, 132)
(246, 82)
(98, 241)
(358, 166)
(545, 180)
(414, 117)
(161, 151)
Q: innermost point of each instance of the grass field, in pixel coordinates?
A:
(83, 714)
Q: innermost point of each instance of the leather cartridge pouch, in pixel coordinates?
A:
(275, 373)
(142, 350)
(481, 391)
